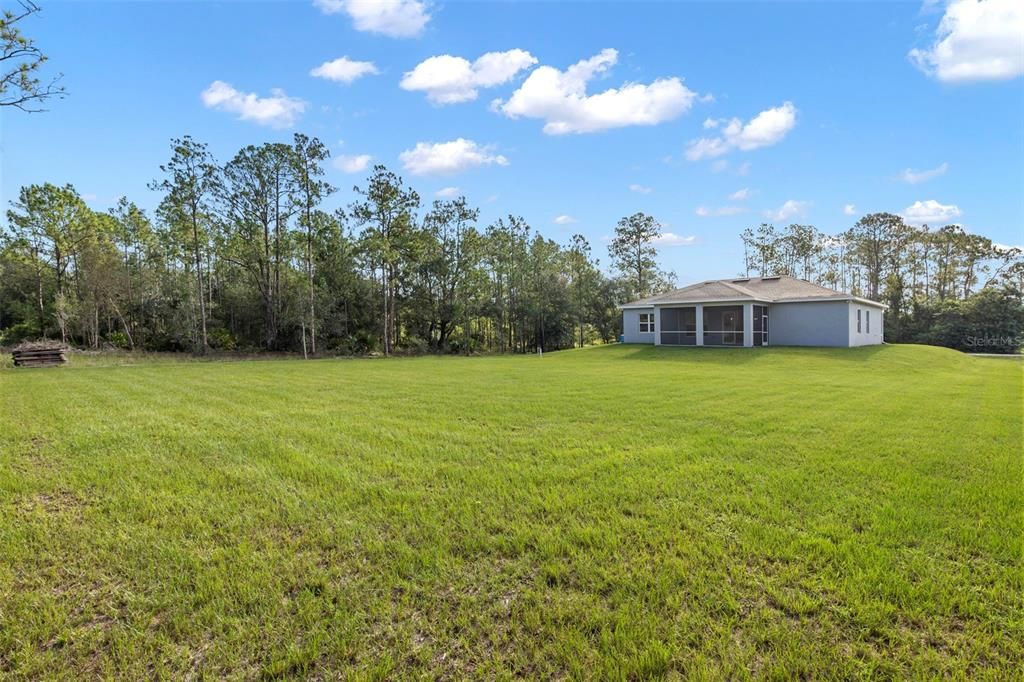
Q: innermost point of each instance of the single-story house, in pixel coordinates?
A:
(753, 311)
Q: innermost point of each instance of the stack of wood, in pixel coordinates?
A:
(39, 354)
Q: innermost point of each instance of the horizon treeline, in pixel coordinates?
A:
(241, 256)
(942, 286)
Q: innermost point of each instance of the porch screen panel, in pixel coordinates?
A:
(679, 326)
(723, 325)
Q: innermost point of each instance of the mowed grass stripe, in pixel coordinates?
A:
(620, 512)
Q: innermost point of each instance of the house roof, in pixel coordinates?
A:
(761, 289)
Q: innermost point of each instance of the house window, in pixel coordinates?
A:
(646, 323)
(867, 321)
(858, 320)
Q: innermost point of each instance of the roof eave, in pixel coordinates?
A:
(825, 299)
(690, 301)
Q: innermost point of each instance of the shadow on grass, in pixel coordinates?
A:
(744, 356)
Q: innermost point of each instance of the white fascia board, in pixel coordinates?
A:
(836, 299)
(868, 301)
(712, 300)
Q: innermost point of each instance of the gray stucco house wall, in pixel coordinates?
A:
(631, 327)
(824, 323)
(871, 325)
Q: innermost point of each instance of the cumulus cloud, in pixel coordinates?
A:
(344, 70)
(976, 40)
(355, 163)
(564, 220)
(640, 189)
(447, 193)
(764, 130)
(672, 239)
(849, 209)
(445, 158)
(740, 195)
(278, 111)
(705, 212)
(450, 80)
(393, 18)
(930, 212)
(560, 99)
(916, 177)
(791, 209)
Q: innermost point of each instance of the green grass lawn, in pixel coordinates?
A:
(618, 513)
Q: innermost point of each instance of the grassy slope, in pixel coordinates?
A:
(618, 512)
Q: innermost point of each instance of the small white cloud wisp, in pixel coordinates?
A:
(277, 111)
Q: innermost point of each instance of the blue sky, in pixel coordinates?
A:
(810, 108)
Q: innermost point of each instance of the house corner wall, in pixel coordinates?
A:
(631, 326)
(877, 330)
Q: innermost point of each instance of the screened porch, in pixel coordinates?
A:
(713, 325)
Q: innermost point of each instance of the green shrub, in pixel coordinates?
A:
(15, 334)
(221, 339)
(119, 340)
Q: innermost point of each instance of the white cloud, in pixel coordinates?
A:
(344, 70)
(976, 40)
(710, 123)
(355, 163)
(930, 212)
(672, 239)
(791, 209)
(640, 189)
(278, 111)
(447, 192)
(743, 168)
(564, 220)
(393, 18)
(705, 212)
(560, 98)
(764, 130)
(443, 158)
(450, 80)
(740, 195)
(915, 177)
(849, 209)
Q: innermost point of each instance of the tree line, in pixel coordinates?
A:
(943, 286)
(241, 255)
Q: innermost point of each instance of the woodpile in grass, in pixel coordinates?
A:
(39, 354)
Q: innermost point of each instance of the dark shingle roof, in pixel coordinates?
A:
(770, 289)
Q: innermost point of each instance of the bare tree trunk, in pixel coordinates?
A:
(200, 289)
(312, 296)
(127, 331)
(387, 326)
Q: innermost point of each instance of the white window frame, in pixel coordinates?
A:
(649, 323)
(867, 321)
(858, 320)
